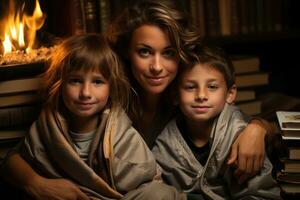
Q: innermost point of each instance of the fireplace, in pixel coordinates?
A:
(23, 40)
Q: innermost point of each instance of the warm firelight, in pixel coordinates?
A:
(19, 29)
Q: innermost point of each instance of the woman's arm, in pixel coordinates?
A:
(248, 150)
(19, 173)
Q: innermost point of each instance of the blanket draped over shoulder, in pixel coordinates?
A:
(49, 149)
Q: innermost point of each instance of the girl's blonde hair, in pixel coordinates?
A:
(88, 52)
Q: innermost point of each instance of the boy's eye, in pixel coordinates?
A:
(144, 52)
(212, 87)
(189, 87)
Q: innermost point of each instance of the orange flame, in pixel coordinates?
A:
(20, 28)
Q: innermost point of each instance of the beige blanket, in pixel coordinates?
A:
(50, 151)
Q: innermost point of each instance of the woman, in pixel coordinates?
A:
(151, 37)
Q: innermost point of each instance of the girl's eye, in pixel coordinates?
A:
(144, 52)
(75, 81)
(169, 53)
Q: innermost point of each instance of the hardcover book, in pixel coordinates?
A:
(289, 120)
(245, 63)
(20, 85)
(17, 71)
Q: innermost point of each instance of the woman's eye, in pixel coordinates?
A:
(144, 52)
(170, 53)
(98, 82)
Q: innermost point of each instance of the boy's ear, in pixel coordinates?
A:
(231, 95)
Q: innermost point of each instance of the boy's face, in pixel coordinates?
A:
(85, 94)
(203, 93)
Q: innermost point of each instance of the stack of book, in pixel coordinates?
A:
(20, 101)
(249, 78)
(289, 174)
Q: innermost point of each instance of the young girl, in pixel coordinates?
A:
(193, 148)
(83, 134)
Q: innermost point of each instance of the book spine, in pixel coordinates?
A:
(104, 14)
(213, 18)
(16, 116)
(9, 72)
(91, 19)
(79, 17)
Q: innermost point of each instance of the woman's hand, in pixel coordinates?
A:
(248, 151)
(54, 189)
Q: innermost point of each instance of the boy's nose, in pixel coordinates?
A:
(201, 95)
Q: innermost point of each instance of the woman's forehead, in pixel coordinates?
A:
(148, 34)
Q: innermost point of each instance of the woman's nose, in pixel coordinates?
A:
(156, 65)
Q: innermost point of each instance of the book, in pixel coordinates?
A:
(104, 12)
(288, 120)
(289, 124)
(19, 115)
(17, 71)
(245, 63)
(251, 107)
(235, 17)
(212, 25)
(13, 133)
(19, 99)
(251, 80)
(77, 17)
(290, 166)
(20, 85)
(225, 14)
(288, 177)
(294, 153)
(245, 95)
(91, 16)
(290, 189)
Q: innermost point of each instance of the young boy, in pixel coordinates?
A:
(193, 148)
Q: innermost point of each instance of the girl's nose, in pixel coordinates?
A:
(85, 91)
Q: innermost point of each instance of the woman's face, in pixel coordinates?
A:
(154, 61)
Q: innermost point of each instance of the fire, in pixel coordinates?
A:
(19, 29)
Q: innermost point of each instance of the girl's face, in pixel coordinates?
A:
(154, 61)
(203, 93)
(85, 94)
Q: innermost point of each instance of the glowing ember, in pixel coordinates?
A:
(18, 32)
(20, 57)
